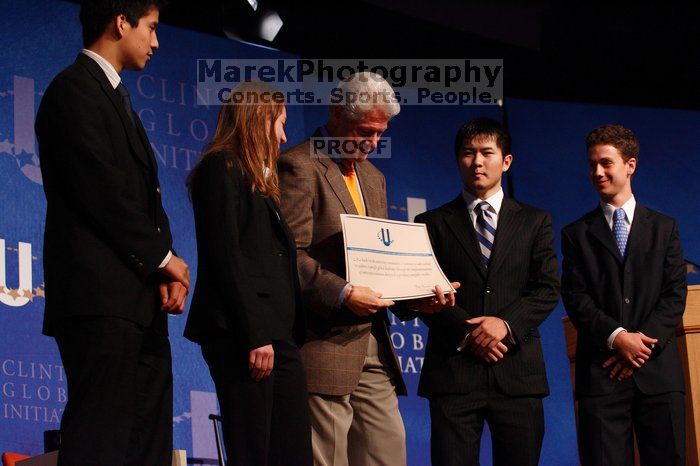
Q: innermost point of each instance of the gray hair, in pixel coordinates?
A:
(364, 91)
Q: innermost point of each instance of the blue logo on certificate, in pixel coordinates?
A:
(385, 237)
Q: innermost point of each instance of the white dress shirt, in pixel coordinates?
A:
(115, 80)
(495, 201)
(112, 75)
(609, 212)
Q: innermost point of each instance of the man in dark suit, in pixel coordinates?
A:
(624, 287)
(111, 276)
(483, 359)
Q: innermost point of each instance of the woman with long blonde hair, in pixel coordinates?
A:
(246, 312)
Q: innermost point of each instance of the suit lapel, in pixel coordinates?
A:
(146, 144)
(459, 223)
(279, 221)
(600, 230)
(638, 239)
(135, 142)
(337, 183)
(270, 205)
(371, 190)
(506, 232)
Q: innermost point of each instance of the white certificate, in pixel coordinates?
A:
(391, 257)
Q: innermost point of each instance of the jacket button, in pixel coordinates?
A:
(158, 229)
(158, 190)
(488, 290)
(627, 300)
(139, 265)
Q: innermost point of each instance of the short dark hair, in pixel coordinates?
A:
(483, 127)
(96, 14)
(621, 138)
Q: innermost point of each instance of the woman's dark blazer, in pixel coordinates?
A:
(247, 284)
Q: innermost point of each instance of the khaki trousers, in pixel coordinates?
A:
(363, 428)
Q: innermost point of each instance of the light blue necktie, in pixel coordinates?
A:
(485, 231)
(620, 230)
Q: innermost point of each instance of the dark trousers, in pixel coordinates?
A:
(264, 423)
(607, 424)
(457, 422)
(120, 392)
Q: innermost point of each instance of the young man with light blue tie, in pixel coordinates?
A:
(624, 287)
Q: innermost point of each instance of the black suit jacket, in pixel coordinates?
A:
(106, 231)
(521, 286)
(644, 292)
(247, 282)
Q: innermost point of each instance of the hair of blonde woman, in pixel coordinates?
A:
(246, 129)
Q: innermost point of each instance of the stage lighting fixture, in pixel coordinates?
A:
(255, 21)
(270, 25)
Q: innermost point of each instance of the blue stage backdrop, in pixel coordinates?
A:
(41, 37)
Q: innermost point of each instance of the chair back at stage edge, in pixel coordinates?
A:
(51, 458)
(46, 459)
(11, 459)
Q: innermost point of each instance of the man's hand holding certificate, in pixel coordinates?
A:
(396, 260)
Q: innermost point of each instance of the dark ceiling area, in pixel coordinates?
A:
(643, 54)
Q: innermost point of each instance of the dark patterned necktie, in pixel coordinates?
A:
(485, 230)
(126, 100)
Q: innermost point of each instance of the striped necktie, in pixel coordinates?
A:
(485, 230)
(620, 230)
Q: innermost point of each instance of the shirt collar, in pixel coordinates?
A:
(106, 66)
(628, 207)
(495, 200)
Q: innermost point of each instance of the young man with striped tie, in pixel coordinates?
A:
(624, 287)
(484, 359)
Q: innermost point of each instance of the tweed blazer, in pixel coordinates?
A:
(314, 195)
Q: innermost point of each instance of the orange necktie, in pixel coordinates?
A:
(351, 182)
